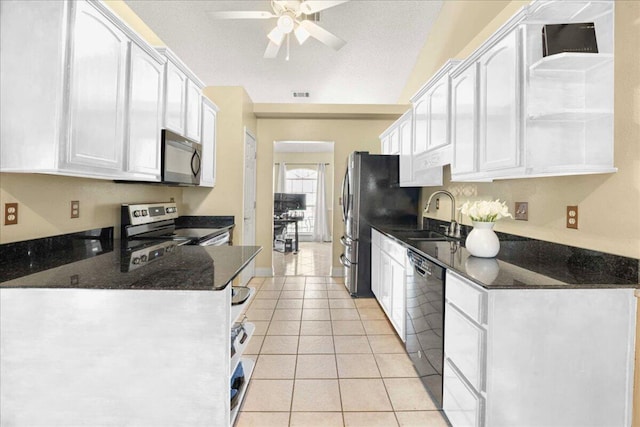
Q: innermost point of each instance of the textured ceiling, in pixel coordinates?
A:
(383, 41)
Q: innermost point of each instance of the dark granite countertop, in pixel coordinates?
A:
(524, 263)
(183, 268)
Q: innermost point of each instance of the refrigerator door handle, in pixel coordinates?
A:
(344, 261)
(346, 241)
(345, 195)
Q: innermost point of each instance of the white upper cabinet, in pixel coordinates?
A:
(183, 98)
(464, 119)
(84, 99)
(145, 113)
(499, 97)
(209, 127)
(97, 90)
(175, 99)
(397, 140)
(531, 115)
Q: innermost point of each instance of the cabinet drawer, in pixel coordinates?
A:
(462, 405)
(469, 298)
(465, 345)
(395, 250)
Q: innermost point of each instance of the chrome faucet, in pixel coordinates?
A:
(454, 228)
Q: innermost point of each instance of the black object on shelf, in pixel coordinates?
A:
(578, 37)
(237, 380)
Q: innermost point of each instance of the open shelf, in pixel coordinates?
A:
(236, 310)
(249, 329)
(571, 61)
(247, 366)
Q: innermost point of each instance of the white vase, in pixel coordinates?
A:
(482, 241)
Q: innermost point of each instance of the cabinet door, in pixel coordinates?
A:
(398, 297)
(145, 113)
(406, 164)
(208, 174)
(194, 102)
(394, 141)
(420, 111)
(175, 99)
(385, 282)
(97, 91)
(384, 145)
(375, 270)
(438, 118)
(463, 121)
(499, 98)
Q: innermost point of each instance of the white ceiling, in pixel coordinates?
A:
(383, 41)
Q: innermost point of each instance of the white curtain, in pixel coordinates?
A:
(321, 226)
(281, 183)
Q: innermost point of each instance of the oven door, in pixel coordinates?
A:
(181, 159)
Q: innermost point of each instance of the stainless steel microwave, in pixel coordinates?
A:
(181, 159)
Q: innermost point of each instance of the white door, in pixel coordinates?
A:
(249, 206)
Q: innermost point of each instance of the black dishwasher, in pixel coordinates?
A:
(425, 322)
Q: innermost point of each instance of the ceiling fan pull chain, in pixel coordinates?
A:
(287, 58)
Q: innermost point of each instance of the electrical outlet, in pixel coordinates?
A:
(75, 209)
(572, 217)
(522, 211)
(10, 213)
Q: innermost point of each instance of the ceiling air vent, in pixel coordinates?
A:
(300, 94)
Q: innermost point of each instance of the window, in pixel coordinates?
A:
(304, 181)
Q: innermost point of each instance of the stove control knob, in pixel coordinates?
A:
(137, 213)
(145, 212)
(143, 258)
(136, 260)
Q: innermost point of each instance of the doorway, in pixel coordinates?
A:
(249, 203)
(303, 208)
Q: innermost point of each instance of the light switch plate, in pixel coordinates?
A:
(522, 211)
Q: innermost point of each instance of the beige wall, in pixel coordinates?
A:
(44, 203)
(226, 198)
(348, 136)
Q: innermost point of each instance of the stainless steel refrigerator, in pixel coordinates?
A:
(371, 194)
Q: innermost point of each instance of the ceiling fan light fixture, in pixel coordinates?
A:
(276, 35)
(286, 24)
(301, 34)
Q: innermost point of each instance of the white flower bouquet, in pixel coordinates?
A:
(485, 211)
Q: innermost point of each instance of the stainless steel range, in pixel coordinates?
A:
(149, 221)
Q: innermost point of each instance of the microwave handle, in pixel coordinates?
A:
(195, 169)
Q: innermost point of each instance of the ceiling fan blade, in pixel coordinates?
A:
(242, 14)
(272, 50)
(319, 33)
(312, 6)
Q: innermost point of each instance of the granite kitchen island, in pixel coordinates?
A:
(93, 342)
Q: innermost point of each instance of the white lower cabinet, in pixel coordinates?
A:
(538, 357)
(388, 281)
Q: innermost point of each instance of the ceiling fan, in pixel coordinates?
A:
(291, 17)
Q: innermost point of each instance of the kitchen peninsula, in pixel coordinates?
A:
(95, 342)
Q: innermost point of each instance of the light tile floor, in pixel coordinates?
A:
(313, 259)
(325, 359)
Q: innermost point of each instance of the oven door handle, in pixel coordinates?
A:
(344, 261)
